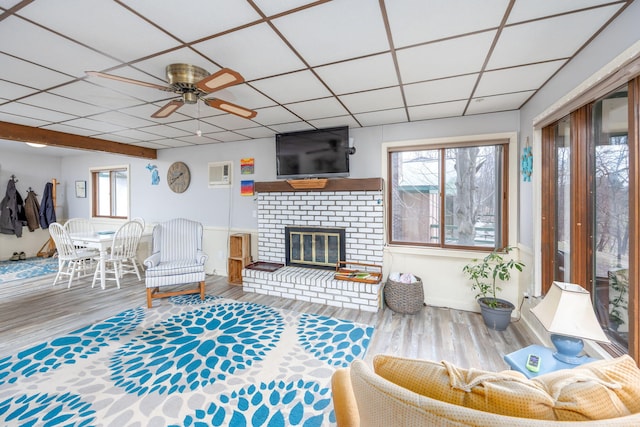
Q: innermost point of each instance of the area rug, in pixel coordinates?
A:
(216, 362)
(27, 268)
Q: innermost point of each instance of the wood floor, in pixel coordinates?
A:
(33, 311)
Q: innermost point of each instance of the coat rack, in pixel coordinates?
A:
(50, 245)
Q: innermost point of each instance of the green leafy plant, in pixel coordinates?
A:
(619, 282)
(485, 273)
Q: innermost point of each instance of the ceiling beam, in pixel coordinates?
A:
(54, 138)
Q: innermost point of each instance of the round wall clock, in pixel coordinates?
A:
(178, 177)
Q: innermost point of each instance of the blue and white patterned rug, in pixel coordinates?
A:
(189, 363)
(27, 268)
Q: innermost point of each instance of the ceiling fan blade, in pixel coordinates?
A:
(168, 109)
(231, 108)
(224, 78)
(127, 80)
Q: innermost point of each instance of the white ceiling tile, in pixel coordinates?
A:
(157, 65)
(317, 109)
(244, 95)
(414, 22)
(64, 127)
(122, 26)
(433, 61)
(436, 111)
(49, 49)
(20, 120)
(525, 11)
(172, 143)
(208, 17)
(25, 110)
(19, 71)
(228, 121)
(511, 101)
(166, 131)
(336, 30)
(516, 79)
(444, 90)
(227, 136)
(334, 122)
(270, 7)
(12, 90)
(273, 115)
(95, 125)
(115, 138)
(293, 87)
(8, 4)
(372, 72)
(555, 38)
(120, 119)
(291, 127)
(192, 126)
(96, 95)
(254, 52)
(380, 99)
(136, 135)
(156, 145)
(255, 133)
(55, 102)
(375, 118)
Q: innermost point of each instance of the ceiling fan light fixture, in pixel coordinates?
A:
(167, 109)
(231, 108)
(222, 79)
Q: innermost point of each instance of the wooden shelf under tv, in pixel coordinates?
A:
(306, 184)
(333, 184)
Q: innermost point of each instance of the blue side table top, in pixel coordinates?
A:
(518, 359)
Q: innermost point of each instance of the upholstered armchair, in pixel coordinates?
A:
(176, 259)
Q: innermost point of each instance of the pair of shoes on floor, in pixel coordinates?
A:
(18, 256)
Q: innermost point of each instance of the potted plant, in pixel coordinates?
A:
(484, 275)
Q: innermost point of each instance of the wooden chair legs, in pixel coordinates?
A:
(153, 293)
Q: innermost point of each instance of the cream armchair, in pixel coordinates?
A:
(176, 259)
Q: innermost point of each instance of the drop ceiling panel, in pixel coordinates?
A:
(375, 118)
(525, 11)
(122, 119)
(555, 38)
(453, 89)
(317, 109)
(15, 70)
(166, 131)
(228, 121)
(254, 52)
(372, 72)
(227, 136)
(96, 95)
(433, 61)
(293, 87)
(274, 115)
(355, 26)
(55, 102)
(516, 79)
(334, 122)
(292, 127)
(439, 110)
(380, 99)
(414, 22)
(270, 7)
(95, 125)
(63, 127)
(511, 101)
(13, 91)
(48, 49)
(20, 109)
(124, 28)
(207, 17)
(157, 65)
(255, 133)
(20, 120)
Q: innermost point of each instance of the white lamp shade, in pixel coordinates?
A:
(567, 310)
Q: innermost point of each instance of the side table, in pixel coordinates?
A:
(518, 359)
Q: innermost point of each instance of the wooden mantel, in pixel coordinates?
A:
(334, 184)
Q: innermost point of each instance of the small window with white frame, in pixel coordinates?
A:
(110, 192)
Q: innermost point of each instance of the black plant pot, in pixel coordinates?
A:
(496, 318)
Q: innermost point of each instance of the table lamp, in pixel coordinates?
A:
(567, 313)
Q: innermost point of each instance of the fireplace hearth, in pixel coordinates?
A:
(314, 247)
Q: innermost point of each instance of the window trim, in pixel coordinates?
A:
(93, 190)
(510, 208)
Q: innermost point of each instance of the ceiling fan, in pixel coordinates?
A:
(192, 83)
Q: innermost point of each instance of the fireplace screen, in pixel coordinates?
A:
(314, 247)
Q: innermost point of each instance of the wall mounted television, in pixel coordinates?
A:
(322, 153)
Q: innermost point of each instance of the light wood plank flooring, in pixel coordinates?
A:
(33, 311)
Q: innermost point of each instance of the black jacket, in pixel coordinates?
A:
(11, 211)
(47, 210)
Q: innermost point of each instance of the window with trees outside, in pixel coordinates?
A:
(449, 196)
(110, 192)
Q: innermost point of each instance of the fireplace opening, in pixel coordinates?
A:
(314, 247)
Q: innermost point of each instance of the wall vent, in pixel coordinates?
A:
(220, 174)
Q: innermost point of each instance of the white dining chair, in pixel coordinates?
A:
(79, 226)
(123, 249)
(72, 261)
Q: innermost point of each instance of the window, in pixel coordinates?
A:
(449, 196)
(110, 192)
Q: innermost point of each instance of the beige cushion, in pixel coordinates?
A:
(506, 393)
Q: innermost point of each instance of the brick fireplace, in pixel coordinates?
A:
(352, 205)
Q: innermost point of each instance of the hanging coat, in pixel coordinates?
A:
(9, 222)
(32, 210)
(47, 209)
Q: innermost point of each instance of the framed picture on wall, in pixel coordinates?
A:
(81, 188)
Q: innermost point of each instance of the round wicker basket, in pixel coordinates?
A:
(405, 298)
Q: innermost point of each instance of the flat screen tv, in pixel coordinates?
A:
(322, 153)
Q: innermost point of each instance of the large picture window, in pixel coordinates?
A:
(449, 196)
(110, 191)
